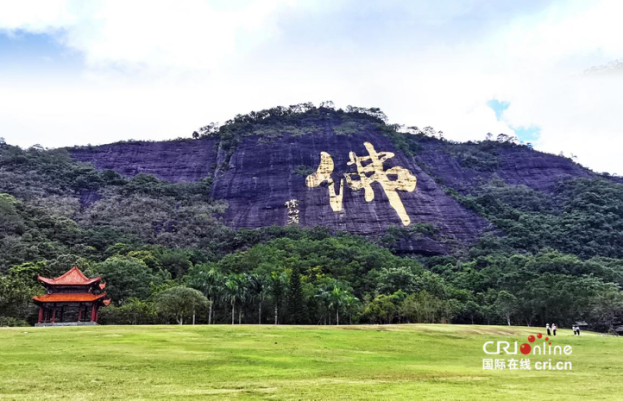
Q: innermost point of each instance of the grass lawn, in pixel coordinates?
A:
(348, 362)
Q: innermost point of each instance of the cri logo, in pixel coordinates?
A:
(544, 349)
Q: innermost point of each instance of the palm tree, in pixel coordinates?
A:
(210, 283)
(337, 297)
(257, 288)
(351, 302)
(232, 292)
(243, 294)
(277, 285)
(214, 290)
(323, 296)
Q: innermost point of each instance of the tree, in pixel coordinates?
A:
(133, 311)
(296, 300)
(337, 298)
(351, 305)
(233, 293)
(175, 261)
(10, 220)
(257, 289)
(423, 307)
(506, 305)
(64, 262)
(395, 279)
(531, 298)
(472, 309)
(323, 297)
(210, 282)
(607, 309)
(126, 278)
(180, 302)
(381, 310)
(16, 291)
(277, 286)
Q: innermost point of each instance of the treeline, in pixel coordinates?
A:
(324, 279)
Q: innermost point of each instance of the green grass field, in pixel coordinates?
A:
(285, 362)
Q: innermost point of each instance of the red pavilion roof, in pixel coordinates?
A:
(73, 277)
(75, 297)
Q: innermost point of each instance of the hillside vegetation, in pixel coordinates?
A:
(550, 257)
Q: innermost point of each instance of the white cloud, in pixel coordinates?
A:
(35, 15)
(143, 34)
(158, 69)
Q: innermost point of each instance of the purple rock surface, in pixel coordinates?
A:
(263, 174)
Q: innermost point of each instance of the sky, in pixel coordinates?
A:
(94, 72)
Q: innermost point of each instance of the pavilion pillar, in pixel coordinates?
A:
(40, 314)
(94, 313)
(53, 315)
(79, 312)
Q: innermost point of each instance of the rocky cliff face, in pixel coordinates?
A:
(172, 160)
(515, 165)
(364, 184)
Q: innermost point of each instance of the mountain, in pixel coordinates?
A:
(298, 205)
(261, 166)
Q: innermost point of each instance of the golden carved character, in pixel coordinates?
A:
(325, 169)
(373, 171)
(369, 170)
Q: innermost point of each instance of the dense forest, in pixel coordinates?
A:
(166, 257)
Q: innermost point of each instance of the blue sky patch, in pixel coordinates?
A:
(34, 51)
(525, 134)
(498, 107)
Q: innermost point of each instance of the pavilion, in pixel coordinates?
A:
(71, 299)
